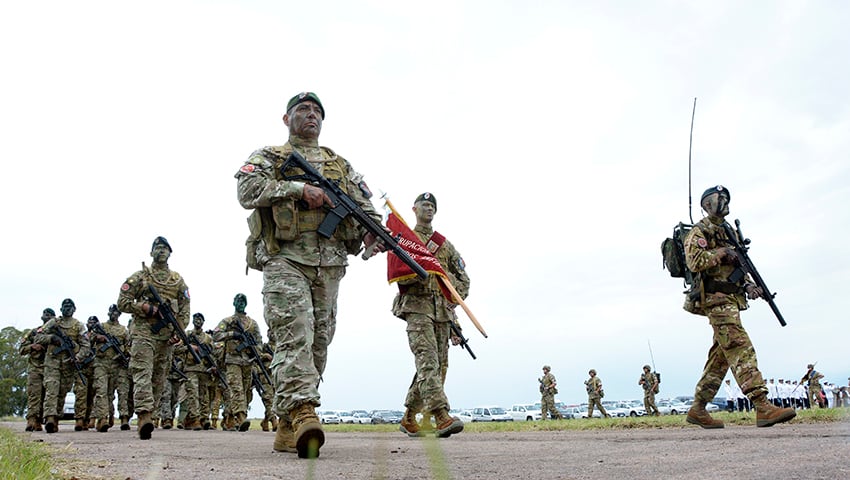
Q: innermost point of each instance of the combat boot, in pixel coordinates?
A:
(37, 426)
(192, 424)
(264, 425)
(205, 425)
(155, 422)
(697, 415)
(309, 436)
(80, 425)
(243, 422)
(274, 423)
(51, 425)
(284, 439)
(145, 425)
(30, 425)
(228, 424)
(102, 425)
(111, 420)
(167, 423)
(90, 425)
(125, 423)
(768, 415)
(214, 423)
(446, 424)
(408, 425)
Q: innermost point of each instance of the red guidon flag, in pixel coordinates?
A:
(410, 243)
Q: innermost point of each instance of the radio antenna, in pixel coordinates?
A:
(690, 150)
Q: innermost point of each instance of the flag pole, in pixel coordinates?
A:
(445, 281)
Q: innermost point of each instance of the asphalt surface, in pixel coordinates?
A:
(788, 451)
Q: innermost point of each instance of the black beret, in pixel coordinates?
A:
(199, 315)
(68, 301)
(427, 196)
(303, 97)
(49, 311)
(717, 189)
(161, 241)
(113, 308)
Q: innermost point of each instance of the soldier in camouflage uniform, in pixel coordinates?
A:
(593, 385)
(88, 371)
(813, 378)
(428, 314)
(118, 376)
(149, 351)
(237, 360)
(548, 390)
(707, 253)
(59, 372)
(172, 391)
(649, 382)
(301, 269)
(197, 386)
(35, 373)
(219, 395)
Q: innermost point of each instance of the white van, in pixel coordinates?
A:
(524, 412)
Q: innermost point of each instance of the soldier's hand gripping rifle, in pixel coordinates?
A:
(464, 342)
(166, 318)
(206, 354)
(343, 207)
(113, 343)
(175, 369)
(249, 342)
(739, 244)
(67, 345)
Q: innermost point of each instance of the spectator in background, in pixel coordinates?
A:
(773, 393)
(730, 395)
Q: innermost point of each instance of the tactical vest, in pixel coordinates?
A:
(432, 286)
(290, 216)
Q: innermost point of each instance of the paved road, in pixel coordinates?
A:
(786, 452)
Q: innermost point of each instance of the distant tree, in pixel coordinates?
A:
(13, 373)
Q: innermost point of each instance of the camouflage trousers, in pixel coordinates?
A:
(299, 306)
(197, 400)
(267, 397)
(733, 349)
(595, 401)
(814, 395)
(218, 398)
(35, 393)
(109, 377)
(173, 393)
(649, 402)
(429, 342)
(150, 360)
(59, 378)
(239, 381)
(547, 406)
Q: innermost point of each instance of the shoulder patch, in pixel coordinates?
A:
(461, 265)
(125, 287)
(702, 242)
(247, 168)
(186, 293)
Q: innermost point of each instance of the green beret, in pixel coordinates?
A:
(718, 189)
(303, 97)
(161, 241)
(427, 196)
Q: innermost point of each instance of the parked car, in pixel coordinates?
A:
(68, 409)
(580, 411)
(361, 417)
(345, 416)
(386, 416)
(613, 408)
(633, 408)
(525, 412)
(465, 416)
(328, 416)
(490, 414)
(670, 407)
(709, 407)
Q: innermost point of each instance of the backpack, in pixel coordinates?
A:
(673, 254)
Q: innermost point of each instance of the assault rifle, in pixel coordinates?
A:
(166, 318)
(739, 244)
(206, 355)
(113, 343)
(464, 342)
(258, 385)
(249, 342)
(67, 345)
(343, 207)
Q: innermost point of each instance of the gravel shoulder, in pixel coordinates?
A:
(789, 451)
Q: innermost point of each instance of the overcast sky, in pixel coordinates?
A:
(554, 135)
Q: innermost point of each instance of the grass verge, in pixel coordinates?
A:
(21, 459)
